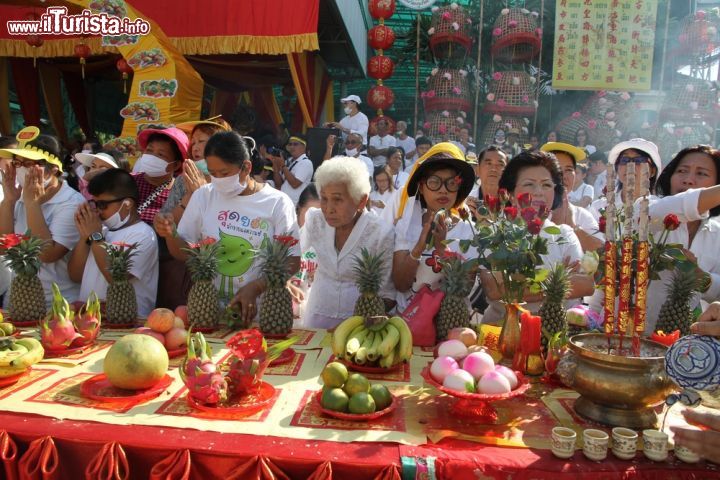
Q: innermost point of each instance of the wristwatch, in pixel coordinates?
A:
(95, 237)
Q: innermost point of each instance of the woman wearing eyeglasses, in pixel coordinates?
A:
(537, 177)
(44, 204)
(425, 221)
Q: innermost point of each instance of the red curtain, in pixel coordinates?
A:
(50, 83)
(27, 86)
(76, 94)
(311, 83)
(266, 108)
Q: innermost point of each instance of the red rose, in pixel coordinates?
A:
(286, 239)
(10, 240)
(602, 224)
(503, 194)
(510, 212)
(524, 200)
(464, 213)
(528, 214)
(535, 225)
(493, 203)
(671, 222)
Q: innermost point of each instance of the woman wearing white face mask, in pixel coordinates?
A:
(164, 151)
(195, 173)
(238, 212)
(111, 217)
(43, 204)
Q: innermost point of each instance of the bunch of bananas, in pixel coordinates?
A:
(381, 342)
(17, 355)
(6, 328)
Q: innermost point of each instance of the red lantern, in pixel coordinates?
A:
(380, 97)
(392, 125)
(380, 67)
(381, 9)
(125, 69)
(82, 51)
(381, 37)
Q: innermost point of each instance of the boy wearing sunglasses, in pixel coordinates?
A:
(111, 216)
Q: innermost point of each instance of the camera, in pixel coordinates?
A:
(274, 151)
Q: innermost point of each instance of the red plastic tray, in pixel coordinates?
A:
(99, 388)
(7, 381)
(178, 352)
(285, 357)
(523, 385)
(243, 406)
(355, 417)
(367, 369)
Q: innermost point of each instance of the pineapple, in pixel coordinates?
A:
(203, 302)
(121, 302)
(675, 313)
(552, 312)
(368, 270)
(276, 312)
(454, 308)
(27, 297)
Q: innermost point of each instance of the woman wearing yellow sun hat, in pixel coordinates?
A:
(426, 218)
(37, 199)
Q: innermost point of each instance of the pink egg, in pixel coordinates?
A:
(493, 383)
(442, 367)
(509, 374)
(478, 364)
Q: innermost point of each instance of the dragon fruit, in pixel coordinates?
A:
(251, 356)
(87, 319)
(200, 374)
(57, 331)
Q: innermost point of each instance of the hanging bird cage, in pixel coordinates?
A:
(448, 89)
(600, 133)
(691, 100)
(699, 37)
(450, 32)
(511, 92)
(516, 36)
(671, 137)
(603, 102)
(506, 123)
(444, 125)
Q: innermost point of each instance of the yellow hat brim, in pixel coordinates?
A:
(35, 155)
(576, 152)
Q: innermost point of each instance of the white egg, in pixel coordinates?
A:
(460, 381)
(493, 383)
(453, 348)
(509, 374)
(442, 367)
(478, 364)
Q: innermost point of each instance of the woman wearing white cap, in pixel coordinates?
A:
(690, 205)
(354, 120)
(94, 163)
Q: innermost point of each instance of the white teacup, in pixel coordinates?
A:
(685, 454)
(563, 442)
(655, 445)
(624, 443)
(595, 444)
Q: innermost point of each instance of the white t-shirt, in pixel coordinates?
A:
(600, 184)
(239, 223)
(408, 145)
(144, 269)
(380, 143)
(357, 123)
(400, 179)
(59, 214)
(368, 164)
(585, 221)
(584, 190)
(302, 168)
(376, 196)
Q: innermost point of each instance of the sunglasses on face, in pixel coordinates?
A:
(434, 183)
(624, 160)
(27, 163)
(103, 204)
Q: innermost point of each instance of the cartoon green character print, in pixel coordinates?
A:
(235, 258)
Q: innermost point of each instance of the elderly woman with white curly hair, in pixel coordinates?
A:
(338, 231)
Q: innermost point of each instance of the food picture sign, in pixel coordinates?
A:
(604, 44)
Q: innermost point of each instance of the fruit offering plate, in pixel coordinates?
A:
(242, 406)
(355, 417)
(31, 323)
(13, 379)
(68, 351)
(99, 388)
(477, 406)
(178, 352)
(285, 357)
(369, 369)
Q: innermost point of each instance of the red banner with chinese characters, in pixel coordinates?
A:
(604, 44)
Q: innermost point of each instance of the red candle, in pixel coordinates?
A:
(530, 332)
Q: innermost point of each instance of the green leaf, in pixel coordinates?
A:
(541, 275)
(552, 230)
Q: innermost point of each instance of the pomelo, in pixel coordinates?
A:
(136, 362)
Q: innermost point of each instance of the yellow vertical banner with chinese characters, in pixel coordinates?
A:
(604, 44)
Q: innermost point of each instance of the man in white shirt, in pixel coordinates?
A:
(353, 147)
(354, 120)
(380, 143)
(406, 142)
(465, 145)
(597, 174)
(293, 175)
(112, 218)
